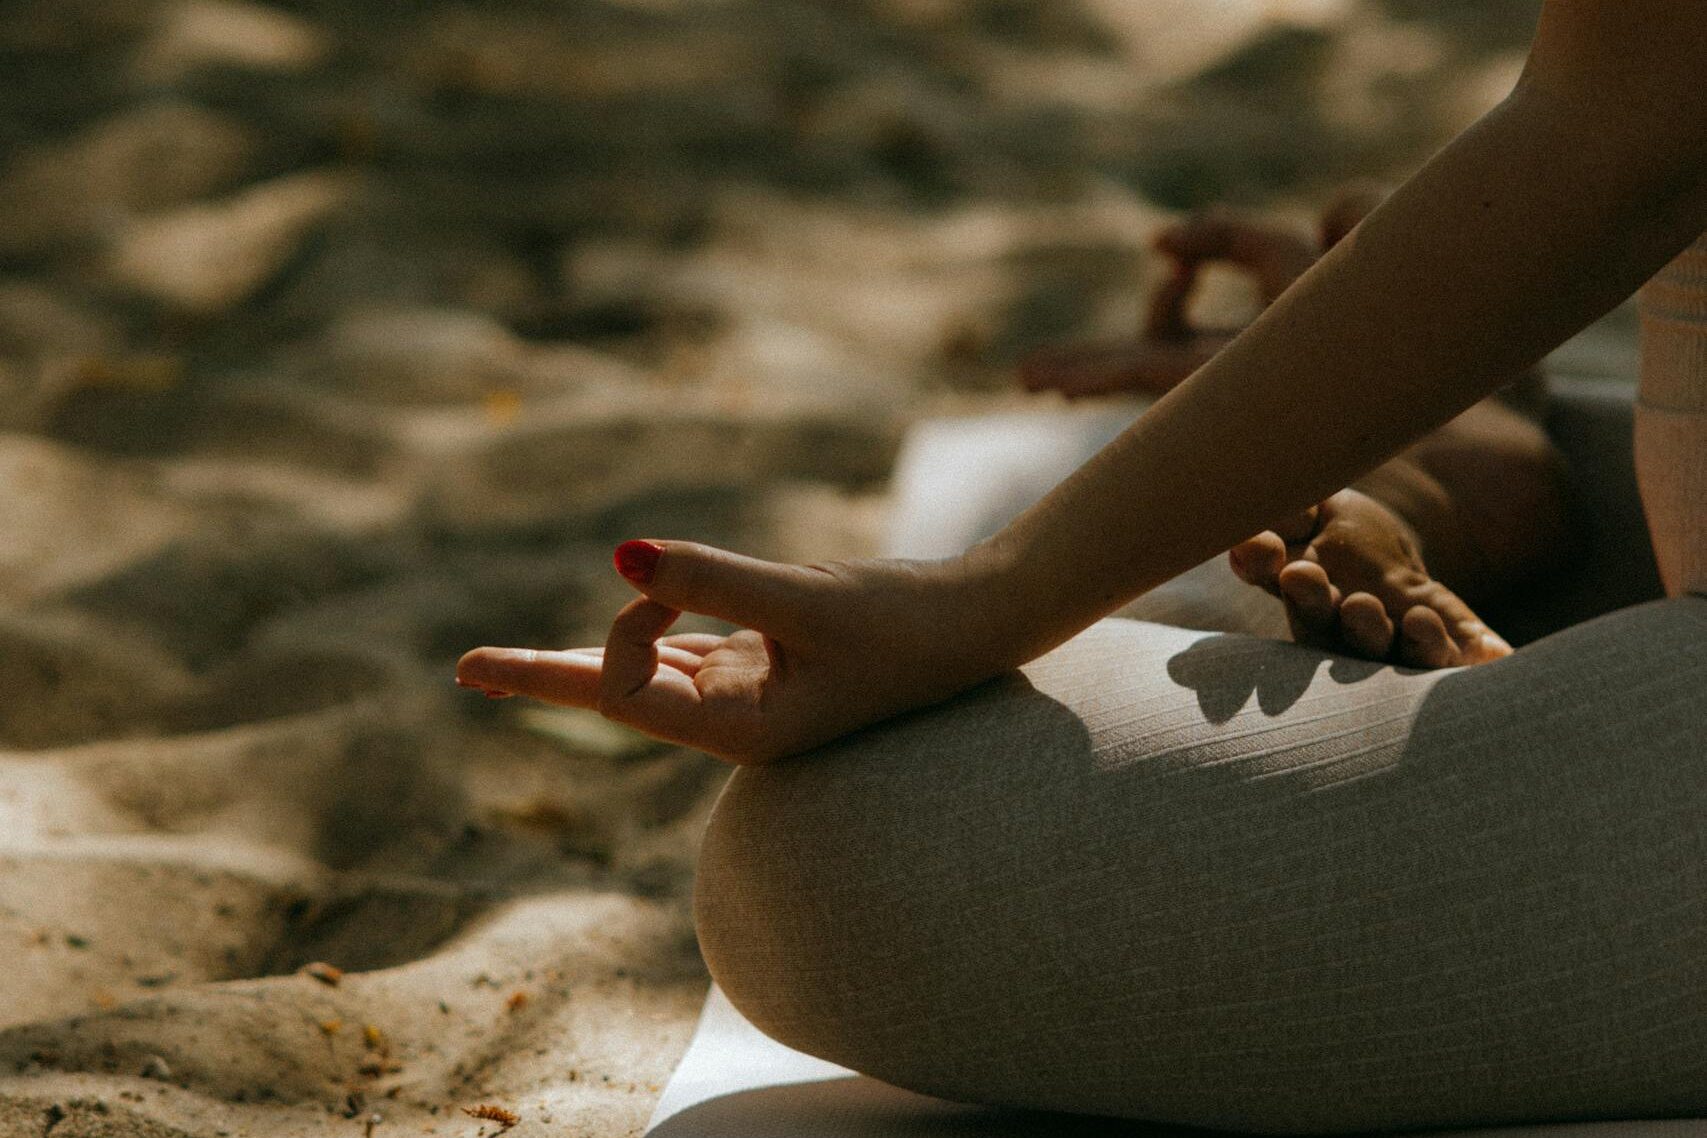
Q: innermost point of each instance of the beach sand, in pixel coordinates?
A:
(337, 339)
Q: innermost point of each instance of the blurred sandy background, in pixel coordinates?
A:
(338, 337)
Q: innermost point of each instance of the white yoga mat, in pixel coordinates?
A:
(734, 1082)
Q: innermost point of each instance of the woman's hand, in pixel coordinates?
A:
(823, 650)
(1172, 346)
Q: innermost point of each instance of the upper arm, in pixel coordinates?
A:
(1633, 57)
(1629, 77)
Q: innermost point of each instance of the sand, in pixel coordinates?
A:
(337, 339)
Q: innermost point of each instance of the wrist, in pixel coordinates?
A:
(1006, 619)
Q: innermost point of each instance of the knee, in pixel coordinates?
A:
(763, 913)
(727, 892)
(809, 917)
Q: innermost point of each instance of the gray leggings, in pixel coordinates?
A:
(1216, 880)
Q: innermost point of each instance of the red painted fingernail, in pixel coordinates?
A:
(638, 560)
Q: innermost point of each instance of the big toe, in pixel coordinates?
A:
(1481, 644)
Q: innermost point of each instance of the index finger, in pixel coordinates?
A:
(631, 650)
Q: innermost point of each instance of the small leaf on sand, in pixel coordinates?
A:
(327, 974)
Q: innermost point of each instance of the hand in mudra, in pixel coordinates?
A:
(823, 650)
(1353, 581)
(1172, 346)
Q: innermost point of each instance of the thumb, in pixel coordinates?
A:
(762, 595)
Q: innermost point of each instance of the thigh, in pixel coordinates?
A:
(1229, 882)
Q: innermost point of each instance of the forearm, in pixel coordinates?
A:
(1531, 225)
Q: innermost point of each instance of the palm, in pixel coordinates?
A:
(705, 691)
(841, 646)
(731, 680)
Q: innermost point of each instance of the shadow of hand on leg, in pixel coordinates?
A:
(1225, 671)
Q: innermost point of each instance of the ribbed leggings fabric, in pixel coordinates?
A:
(1217, 880)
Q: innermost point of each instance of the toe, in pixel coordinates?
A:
(1479, 643)
(1300, 527)
(1365, 626)
(1424, 642)
(1259, 560)
(1312, 604)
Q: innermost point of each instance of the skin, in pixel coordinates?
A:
(1480, 499)
(1559, 203)
(1351, 574)
(1172, 347)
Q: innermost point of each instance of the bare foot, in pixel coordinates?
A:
(1354, 582)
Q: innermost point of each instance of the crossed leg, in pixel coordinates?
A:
(1226, 882)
